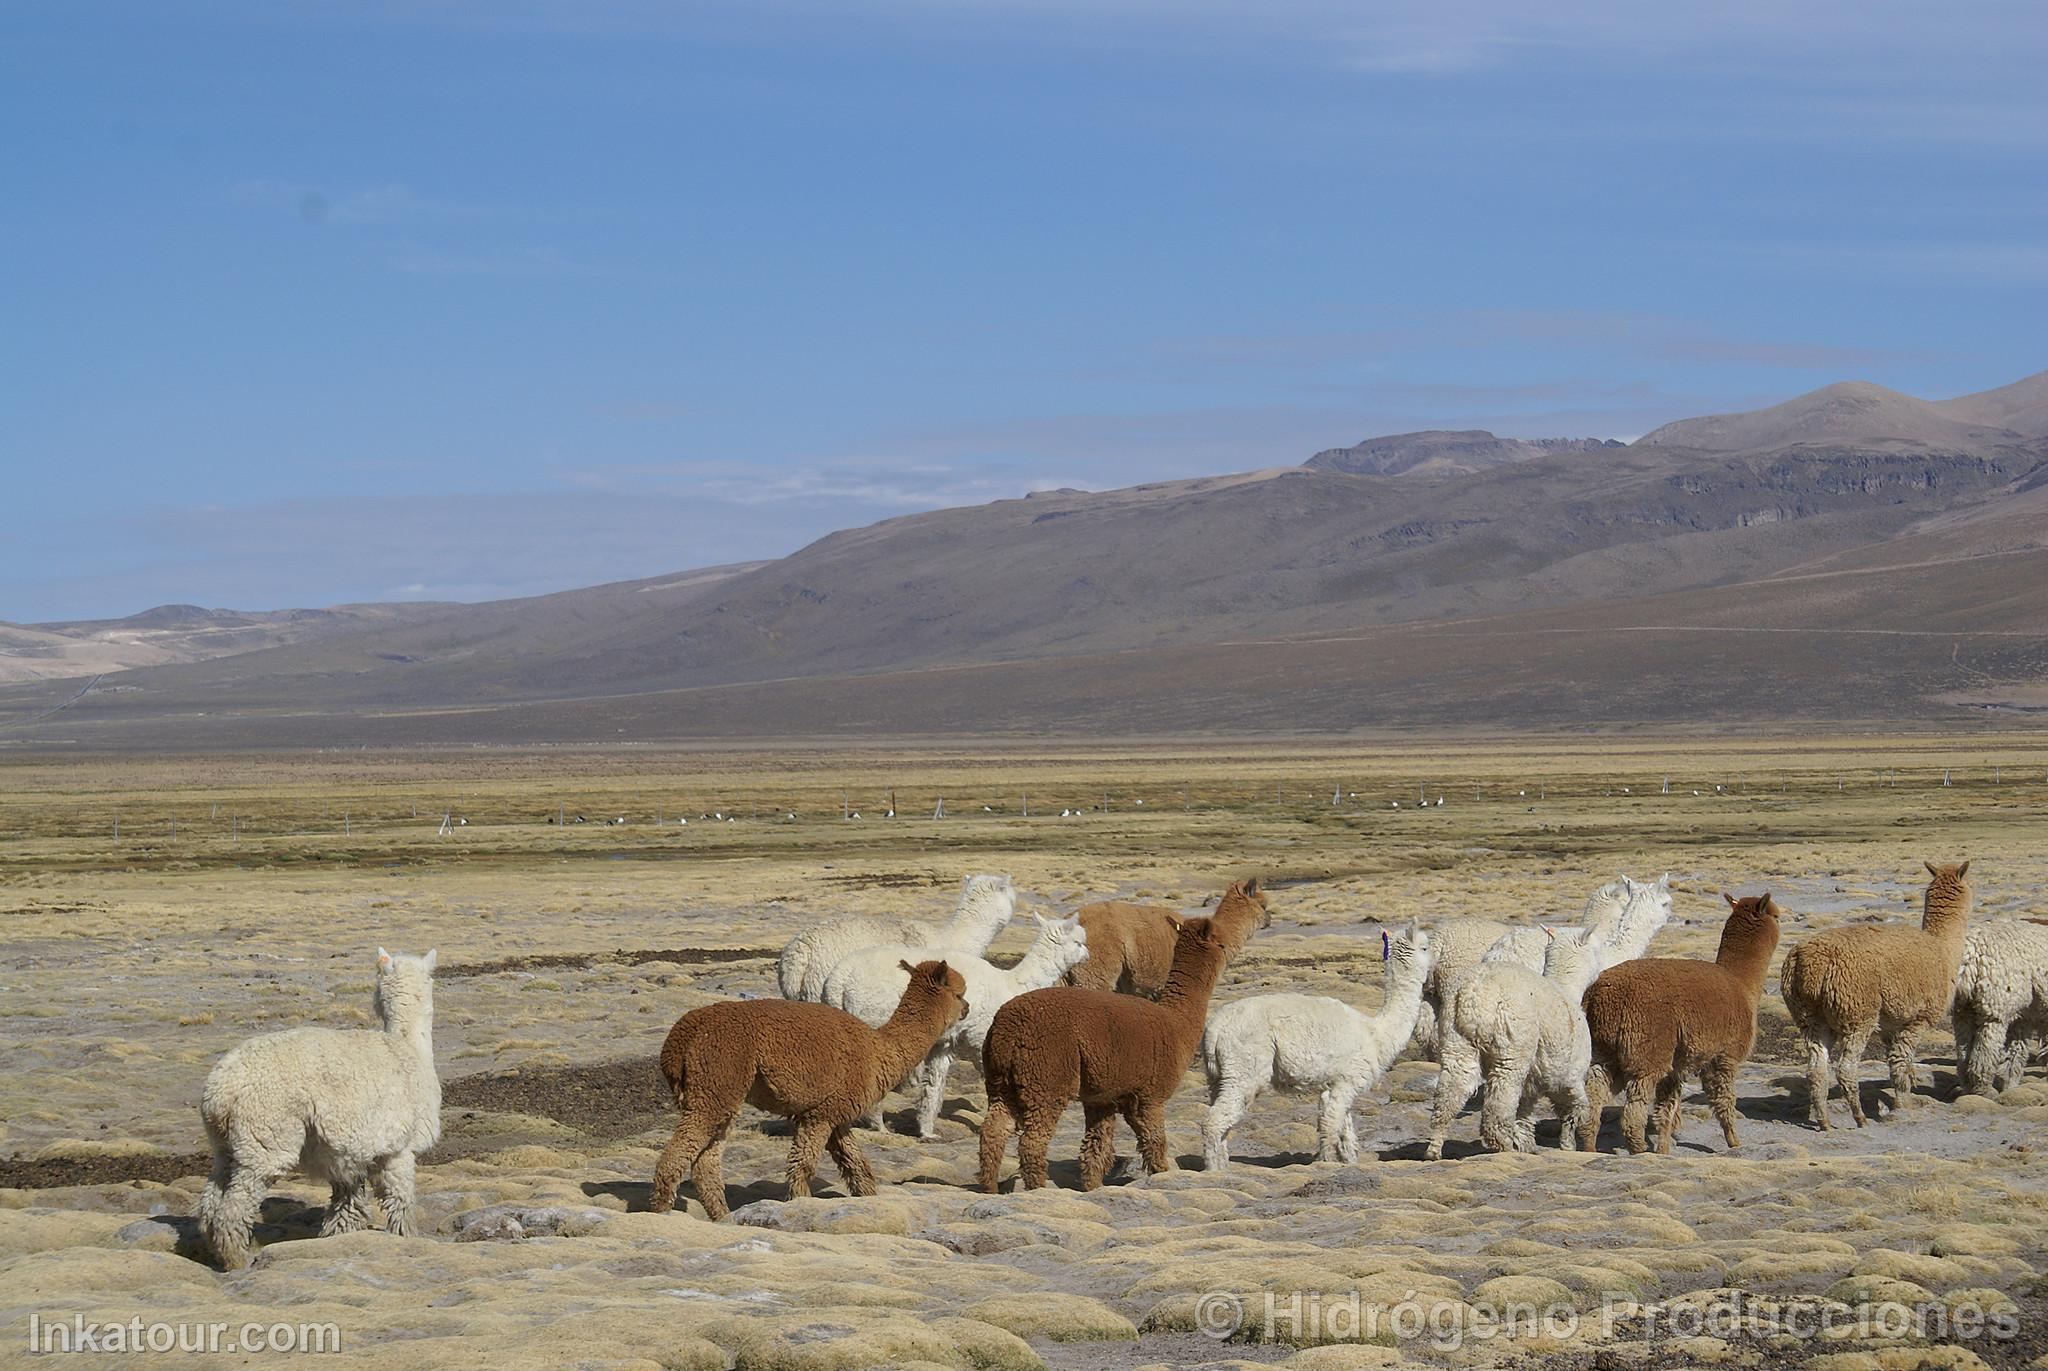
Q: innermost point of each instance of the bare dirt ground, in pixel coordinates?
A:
(127, 968)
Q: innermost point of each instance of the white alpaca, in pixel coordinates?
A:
(1301, 1043)
(347, 1106)
(1524, 1034)
(1629, 911)
(986, 904)
(869, 984)
(2001, 1006)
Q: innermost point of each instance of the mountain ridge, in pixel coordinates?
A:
(1797, 530)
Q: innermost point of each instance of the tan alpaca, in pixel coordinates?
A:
(816, 1065)
(1657, 1020)
(1130, 946)
(1118, 1054)
(1847, 983)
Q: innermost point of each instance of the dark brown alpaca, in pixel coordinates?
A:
(1657, 1020)
(810, 1063)
(1118, 1054)
(1130, 946)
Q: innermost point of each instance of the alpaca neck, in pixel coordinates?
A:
(1946, 914)
(1190, 981)
(415, 1031)
(1402, 1004)
(1745, 954)
(974, 919)
(1039, 966)
(1235, 918)
(1571, 980)
(909, 1034)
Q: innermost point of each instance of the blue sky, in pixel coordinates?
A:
(316, 302)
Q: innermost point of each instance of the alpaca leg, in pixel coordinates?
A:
(692, 1133)
(1964, 1021)
(804, 1151)
(996, 1124)
(1226, 1109)
(1034, 1140)
(1988, 1060)
(1818, 1048)
(392, 1179)
(1635, 1113)
(1899, 1052)
(240, 1188)
(1147, 1119)
(348, 1207)
(1335, 1140)
(707, 1175)
(936, 1068)
(1670, 1094)
(851, 1161)
(1849, 1072)
(1719, 1079)
(1596, 1105)
(1500, 1106)
(1098, 1143)
(1573, 1108)
(1456, 1079)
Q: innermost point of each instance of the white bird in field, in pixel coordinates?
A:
(684, 822)
(1439, 802)
(854, 815)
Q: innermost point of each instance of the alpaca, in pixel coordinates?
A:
(1523, 1034)
(1847, 983)
(1310, 1042)
(986, 904)
(868, 984)
(1656, 1021)
(2001, 1008)
(810, 1063)
(1116, 1053)
(1130, 946)
(1462, 944)
(347, 1106)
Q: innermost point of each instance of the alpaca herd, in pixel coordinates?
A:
(1111, 1006)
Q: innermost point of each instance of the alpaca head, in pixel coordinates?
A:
(1064, 941)
(1948, 878)
(935, 983)
(1574, 962)
(1646, 909)
(1200, 950)
(1605, 906)
(1249, 890)
(1408, 953)
(1752, 924)
(405, 988)
(993, 896)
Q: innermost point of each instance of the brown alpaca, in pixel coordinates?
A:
(1130, 946)
(811, 1063)
(1657, 1020)
(1116, 1053)
(1847, 983)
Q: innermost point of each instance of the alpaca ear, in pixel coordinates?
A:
(433, 959)
(1251, 887)
(908, 967)
(1932, 869)
(383, 960)
(1729, 896)
(1963, 870)
(1043, 922)
(941, 973)
(1665, 881)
